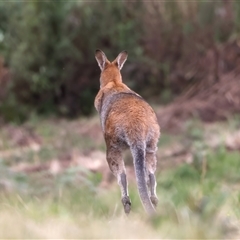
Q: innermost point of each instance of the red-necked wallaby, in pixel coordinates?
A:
(127, 121)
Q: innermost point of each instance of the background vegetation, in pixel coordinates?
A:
(49, 46)
(183, 58)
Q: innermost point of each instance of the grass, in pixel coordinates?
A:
(197, 200)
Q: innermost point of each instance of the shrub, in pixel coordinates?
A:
(49, 48)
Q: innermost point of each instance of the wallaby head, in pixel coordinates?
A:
(110, 70)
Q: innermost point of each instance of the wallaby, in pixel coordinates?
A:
(127, 121)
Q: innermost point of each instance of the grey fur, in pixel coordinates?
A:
(138, 153)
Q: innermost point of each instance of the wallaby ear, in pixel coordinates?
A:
(121, 59)
(101, 58)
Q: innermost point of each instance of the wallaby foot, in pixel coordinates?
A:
(126, 204)
(154, 200)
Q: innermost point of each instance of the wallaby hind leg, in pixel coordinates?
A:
(153, 184)
(151, 162)
(116, 165)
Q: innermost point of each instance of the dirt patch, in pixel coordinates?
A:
(217, 102)
(214, 93)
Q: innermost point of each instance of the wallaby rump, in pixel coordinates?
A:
(127, 120)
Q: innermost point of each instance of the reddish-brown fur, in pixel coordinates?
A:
(127, 121)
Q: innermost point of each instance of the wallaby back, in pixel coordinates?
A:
(126, 119)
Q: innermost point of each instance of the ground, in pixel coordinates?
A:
(55, 183)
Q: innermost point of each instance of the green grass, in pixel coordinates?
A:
(72, 206)
(198, 200)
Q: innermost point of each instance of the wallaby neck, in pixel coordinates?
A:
(110, 75)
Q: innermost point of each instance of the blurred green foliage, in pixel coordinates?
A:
(49, 48)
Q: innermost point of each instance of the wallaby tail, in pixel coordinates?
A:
(138, 153)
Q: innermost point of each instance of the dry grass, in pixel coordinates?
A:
(64, 196)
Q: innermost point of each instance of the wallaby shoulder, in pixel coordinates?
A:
(109, 90)
(108, 96)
